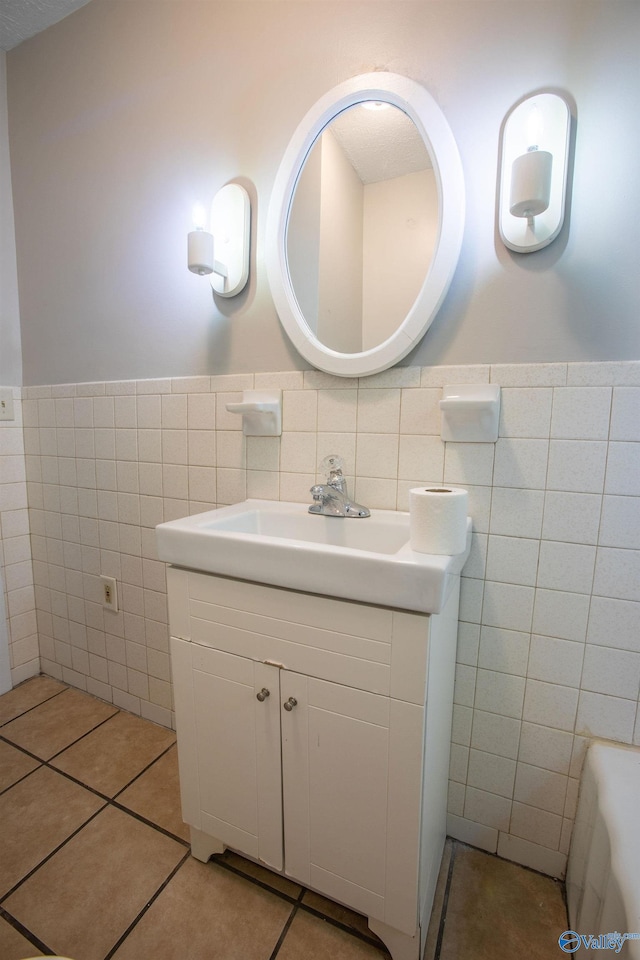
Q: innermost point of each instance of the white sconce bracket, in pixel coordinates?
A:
(470, 412)
(224, 253)
(261, 412)
(533, 173)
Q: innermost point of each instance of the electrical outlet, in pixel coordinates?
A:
(6, 404)
(109, 593)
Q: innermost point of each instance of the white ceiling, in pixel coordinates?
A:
(380, 144)
(21, 19)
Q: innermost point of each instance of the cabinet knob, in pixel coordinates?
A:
(290, 704)
(264, 693)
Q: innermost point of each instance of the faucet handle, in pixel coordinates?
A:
(332, 467)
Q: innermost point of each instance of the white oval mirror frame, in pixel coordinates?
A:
(420, 106)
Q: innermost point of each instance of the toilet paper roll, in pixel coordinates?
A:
(438, 519)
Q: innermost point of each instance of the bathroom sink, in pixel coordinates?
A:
(280, 543)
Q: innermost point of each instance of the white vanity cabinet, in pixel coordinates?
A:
(313, 736)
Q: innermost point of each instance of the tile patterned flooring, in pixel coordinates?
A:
(95, 864)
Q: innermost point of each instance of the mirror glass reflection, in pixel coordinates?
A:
(362, 226)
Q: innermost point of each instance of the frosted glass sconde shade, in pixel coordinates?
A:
(533, 175)
(200, 252)
(530, 183)
(224, 253)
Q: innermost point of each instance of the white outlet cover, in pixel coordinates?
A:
(6, 404)
(112, 585)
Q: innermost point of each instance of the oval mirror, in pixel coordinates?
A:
(365, 224)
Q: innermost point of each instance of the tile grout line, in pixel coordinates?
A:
(143, 771)
(108, 801)
(35, 705)
(295, 900)
(113, 802)
(82, 737)
(28, 774)
(445, 903)
(287, 924)
(47, 760)
(149, 823)
(10, 919)
(134, 923)
(219, 862)
(25, 932)
(48, 857)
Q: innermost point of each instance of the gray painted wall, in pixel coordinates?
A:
(123, 114)
(10, 356)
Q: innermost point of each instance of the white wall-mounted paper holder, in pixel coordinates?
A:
(261, 412)
(470, 412)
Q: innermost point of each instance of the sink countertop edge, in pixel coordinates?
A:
(275, 561)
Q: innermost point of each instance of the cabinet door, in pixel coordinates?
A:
(233, 749)
(335, 752)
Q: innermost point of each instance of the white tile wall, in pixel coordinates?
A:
(15, 548)
(549, 641)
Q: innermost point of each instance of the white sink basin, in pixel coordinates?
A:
(280, 543)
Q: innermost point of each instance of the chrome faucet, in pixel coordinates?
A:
(331, 498)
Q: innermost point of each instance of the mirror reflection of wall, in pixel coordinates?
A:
(303, 239)
(401, 228)
(362, 227)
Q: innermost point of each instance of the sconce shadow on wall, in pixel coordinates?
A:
(219, 246)
(533, 172)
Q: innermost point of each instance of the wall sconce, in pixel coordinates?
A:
(224, 251)
(533, 175)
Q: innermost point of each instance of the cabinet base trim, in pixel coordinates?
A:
(203, 845)
(400, 945)
(345, 891)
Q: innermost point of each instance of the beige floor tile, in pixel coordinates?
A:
(314, 939)
(156, 795)
(13, 946)
(115, 864)
(27, 695)
(207, 912)
(37, 814)
(82, 900)
(13, 765)
(112, 755)
(498, 910)
(54, 725)
(274, 880)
